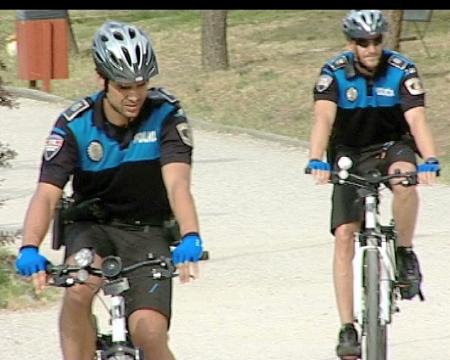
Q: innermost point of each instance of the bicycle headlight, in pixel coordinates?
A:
(345, 163)
(111, 266)
(84, 257)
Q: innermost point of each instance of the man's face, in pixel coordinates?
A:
(127, 99)
(368, 51)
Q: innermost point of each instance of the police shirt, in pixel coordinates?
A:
(370, 110)
(122, 166)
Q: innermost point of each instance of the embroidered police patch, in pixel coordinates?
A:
(414, 86)
(323, 82)
(397, 62)
(53, 144)
(351, 94)
(341, 61)
(95, 151)
(77, 108)
(184, 130)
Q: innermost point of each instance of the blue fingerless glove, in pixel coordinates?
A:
(190, 249)
(29, 261)
(430, 165)
(315, 164)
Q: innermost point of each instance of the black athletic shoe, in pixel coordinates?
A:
(348, 344)
(409, 275)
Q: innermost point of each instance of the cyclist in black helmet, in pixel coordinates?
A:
(129, 151)
(370, 105)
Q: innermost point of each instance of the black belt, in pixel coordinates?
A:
(136, 225)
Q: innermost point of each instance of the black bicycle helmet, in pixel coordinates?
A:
(123, 53)
(363, 24)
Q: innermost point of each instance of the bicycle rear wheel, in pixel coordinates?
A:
(376, 334)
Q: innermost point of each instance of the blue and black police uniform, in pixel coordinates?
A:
(121, 167)
(370, 125)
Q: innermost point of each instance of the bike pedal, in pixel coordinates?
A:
(352, 357)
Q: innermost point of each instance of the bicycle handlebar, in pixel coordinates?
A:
(68, 275)
(373, 179)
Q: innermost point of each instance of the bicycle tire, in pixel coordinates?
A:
(376, 333)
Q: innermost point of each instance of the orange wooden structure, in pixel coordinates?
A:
(42, 45)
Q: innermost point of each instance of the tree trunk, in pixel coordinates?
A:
(214, 40)
(72, 41)
(394, 18)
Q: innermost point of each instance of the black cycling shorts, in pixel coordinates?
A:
(132, 247)
(347, 207)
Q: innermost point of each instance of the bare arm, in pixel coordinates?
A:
(420, 130)
(324, 115)
(177, 179)
(40, 212)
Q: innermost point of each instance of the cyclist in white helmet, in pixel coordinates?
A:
(370, 105)
(128, 150)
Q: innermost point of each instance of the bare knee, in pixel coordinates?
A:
(344, 246)
(403, 193)
(80, 296)
(148, 329)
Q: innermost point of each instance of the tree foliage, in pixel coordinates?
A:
(6, 154)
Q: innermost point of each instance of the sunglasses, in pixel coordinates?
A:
(367, 42)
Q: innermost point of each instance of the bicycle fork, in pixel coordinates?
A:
(386, 277)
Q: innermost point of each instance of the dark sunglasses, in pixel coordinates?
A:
(366, 42)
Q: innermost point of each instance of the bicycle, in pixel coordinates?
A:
(376, 286)
(117, 345)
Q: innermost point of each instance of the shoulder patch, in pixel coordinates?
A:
(338, 63)
(185, 133)
(162, 94)
(397, 62)
(76, 109)
(414, 86)
(323, 82)
(53, 144)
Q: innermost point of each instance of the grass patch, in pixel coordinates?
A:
(16, 293)
(275, 57)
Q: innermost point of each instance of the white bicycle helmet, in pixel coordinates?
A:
(363, 24)
(123, 53)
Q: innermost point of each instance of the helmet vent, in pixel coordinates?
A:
(138, 52)
(127, 55)
(118, 36)
(104, 38)
(114, 59)
(132, 33)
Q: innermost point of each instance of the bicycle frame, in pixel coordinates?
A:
(372, 238)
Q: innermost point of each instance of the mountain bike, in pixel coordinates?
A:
(376, 286)
(117, 345)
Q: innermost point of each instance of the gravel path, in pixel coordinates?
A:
(266, 293)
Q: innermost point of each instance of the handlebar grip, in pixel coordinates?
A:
(307, 170)
(205, 255)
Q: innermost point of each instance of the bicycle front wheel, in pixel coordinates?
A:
(376, 333)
